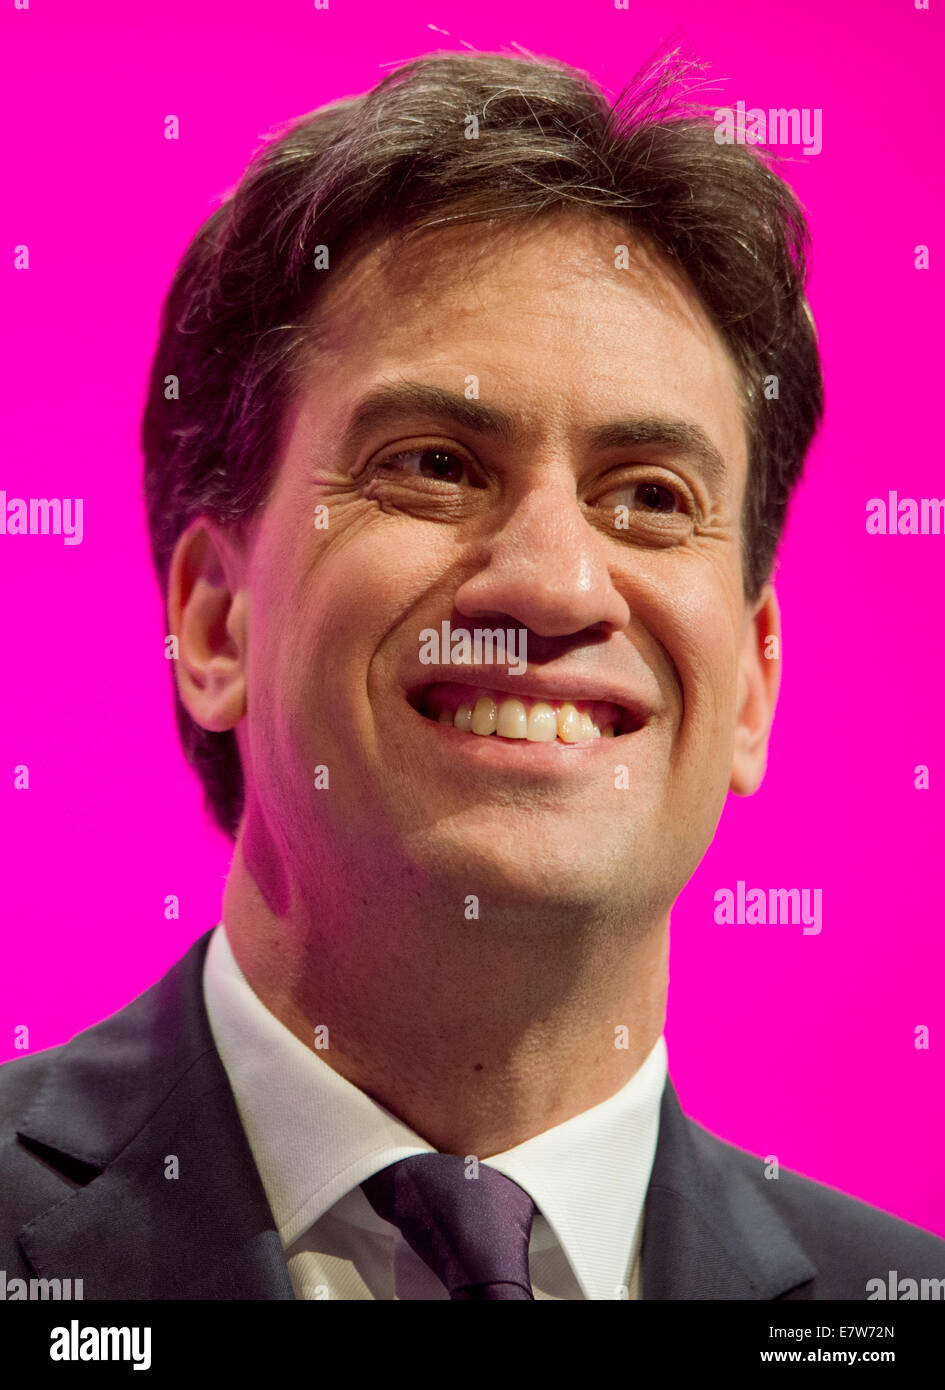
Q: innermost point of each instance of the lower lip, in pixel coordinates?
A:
(521, 754)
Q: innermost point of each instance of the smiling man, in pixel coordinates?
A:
(473, 353)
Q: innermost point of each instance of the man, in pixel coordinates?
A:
(470, 355)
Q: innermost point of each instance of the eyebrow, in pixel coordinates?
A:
(388, 405)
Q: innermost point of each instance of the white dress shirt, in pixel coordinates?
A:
(315, 1137)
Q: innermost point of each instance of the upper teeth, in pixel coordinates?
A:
(536, 720)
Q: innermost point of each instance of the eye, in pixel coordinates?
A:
(440, 464)
(652, 498)
(656, 497)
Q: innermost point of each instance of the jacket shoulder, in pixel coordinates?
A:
(850, 1241)
(69, 1111)
(20, 1080)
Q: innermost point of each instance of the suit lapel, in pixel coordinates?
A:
(138, 1117)
(709, 1233)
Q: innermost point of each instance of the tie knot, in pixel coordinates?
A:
(468, 1222)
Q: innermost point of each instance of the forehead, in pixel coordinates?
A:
(564, 320)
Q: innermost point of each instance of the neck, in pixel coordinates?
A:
(477, 1034)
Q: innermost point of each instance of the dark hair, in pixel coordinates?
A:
(397, 161)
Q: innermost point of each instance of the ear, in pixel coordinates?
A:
(207, 609)
(759, 676)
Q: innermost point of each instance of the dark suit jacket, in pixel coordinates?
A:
(86, 1130)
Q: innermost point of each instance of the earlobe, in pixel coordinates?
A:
(759, 677)
(207, 610)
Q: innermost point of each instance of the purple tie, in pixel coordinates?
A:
(472, 1232)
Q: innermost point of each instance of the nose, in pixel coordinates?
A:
(547, 569)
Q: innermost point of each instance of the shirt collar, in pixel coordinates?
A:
(316, 1137)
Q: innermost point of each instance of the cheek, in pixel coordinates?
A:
(317, 627)
(697, 625)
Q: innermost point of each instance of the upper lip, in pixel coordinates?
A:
(535, 685)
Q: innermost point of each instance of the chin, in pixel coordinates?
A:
(514, 870)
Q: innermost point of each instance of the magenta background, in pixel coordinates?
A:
(800, 1046)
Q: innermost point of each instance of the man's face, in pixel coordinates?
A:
(503, 514)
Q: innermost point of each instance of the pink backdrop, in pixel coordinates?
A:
(797, 1045)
